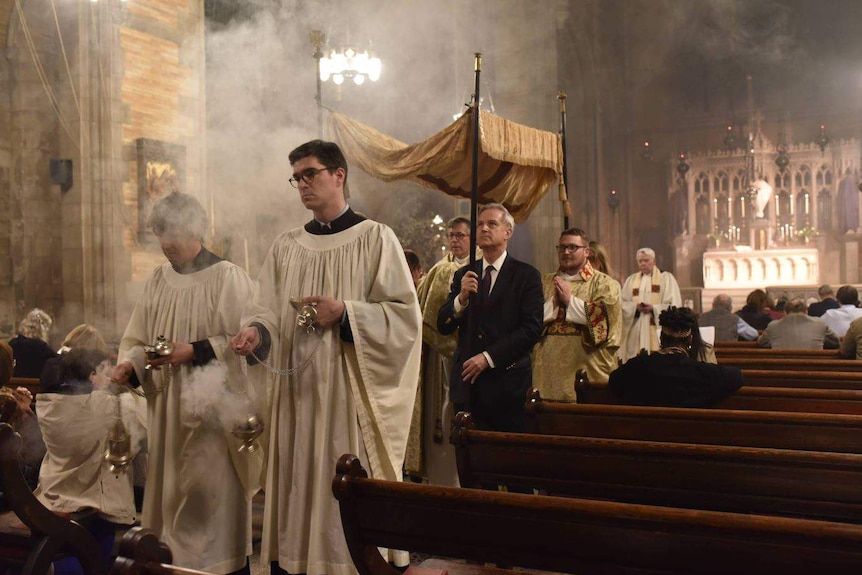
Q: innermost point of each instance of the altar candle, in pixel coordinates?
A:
(806, 203)
(791, 205)
(777, 206)
(715, 209)
(245, 249)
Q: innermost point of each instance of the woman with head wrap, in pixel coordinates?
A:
(673, 376)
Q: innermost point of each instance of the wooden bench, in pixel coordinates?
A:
(790, 364)
(805, 400)
(799, 378)
(571, 535)
(720, 478)
(31, 383)
(723, 353)
(748, 428)
(141, 553)
(44, 536)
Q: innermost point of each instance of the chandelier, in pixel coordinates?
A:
(349, 63)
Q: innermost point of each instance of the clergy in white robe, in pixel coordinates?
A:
(198, 491)
(75, 421)
(347, 387)
(645, 294)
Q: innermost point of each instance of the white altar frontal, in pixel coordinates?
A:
(737, 272)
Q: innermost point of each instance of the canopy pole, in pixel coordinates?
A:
(474, 181)
(318, 39)
(564, 177)
(472, 320)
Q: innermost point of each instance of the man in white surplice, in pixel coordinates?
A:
(346, 387)
(646, 293)
(198, 492)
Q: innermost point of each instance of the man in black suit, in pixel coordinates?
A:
(827, 301)
(491, 374)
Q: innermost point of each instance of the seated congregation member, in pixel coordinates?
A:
(75, 419)
(798, 330)
(728, 327)
(30, 346)
(827, 301)
(83, 336)
(670, 377)
(756, 310)
(851, 345)
(838, 319)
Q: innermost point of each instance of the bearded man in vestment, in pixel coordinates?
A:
(429, 453)
(582, 318)
(199, 488)
(348, 385)
(645, 294)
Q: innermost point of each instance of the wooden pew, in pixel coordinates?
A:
(572, 535)
(805, 400)
(141, 553)
(773, 429)
(806, 379)
(789, 364)
(723, 353)
(31, 383)
(45, 536)
(720, 478)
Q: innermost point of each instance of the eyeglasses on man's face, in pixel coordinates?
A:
(457, 236)
(307, 176)
(563, 248)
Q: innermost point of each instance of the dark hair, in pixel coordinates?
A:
(412, 260)
(576, 232)
(328, 153)
(78, 363)
(847, 295)
(682, 320)
(458, 220)
(181, 212)
(759, 299)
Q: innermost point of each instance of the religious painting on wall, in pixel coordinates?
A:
(161, 170)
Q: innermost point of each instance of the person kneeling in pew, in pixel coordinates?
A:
(670, 377)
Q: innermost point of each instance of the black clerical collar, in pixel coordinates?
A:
(202, 261)
(343, 222)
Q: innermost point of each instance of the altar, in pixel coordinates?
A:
(752, 269)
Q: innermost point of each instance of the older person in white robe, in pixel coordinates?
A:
(348, 385)
(645, 294)
(198, 491)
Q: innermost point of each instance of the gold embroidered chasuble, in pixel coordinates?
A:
(585, 335)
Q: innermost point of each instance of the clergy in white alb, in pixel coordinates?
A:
(348, 385)
(645, 294)
(198, 491)
(75, 420)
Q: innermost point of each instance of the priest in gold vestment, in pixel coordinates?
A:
(582, 321)
(429, 453)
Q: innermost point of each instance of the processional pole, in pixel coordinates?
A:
(564, 177)
(472, 321)
(474, 181)
(318, 39)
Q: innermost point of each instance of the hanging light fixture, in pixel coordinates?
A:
(823, 139)
(646, 151)
(349, 63)
(682, 167)
(729, 139)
